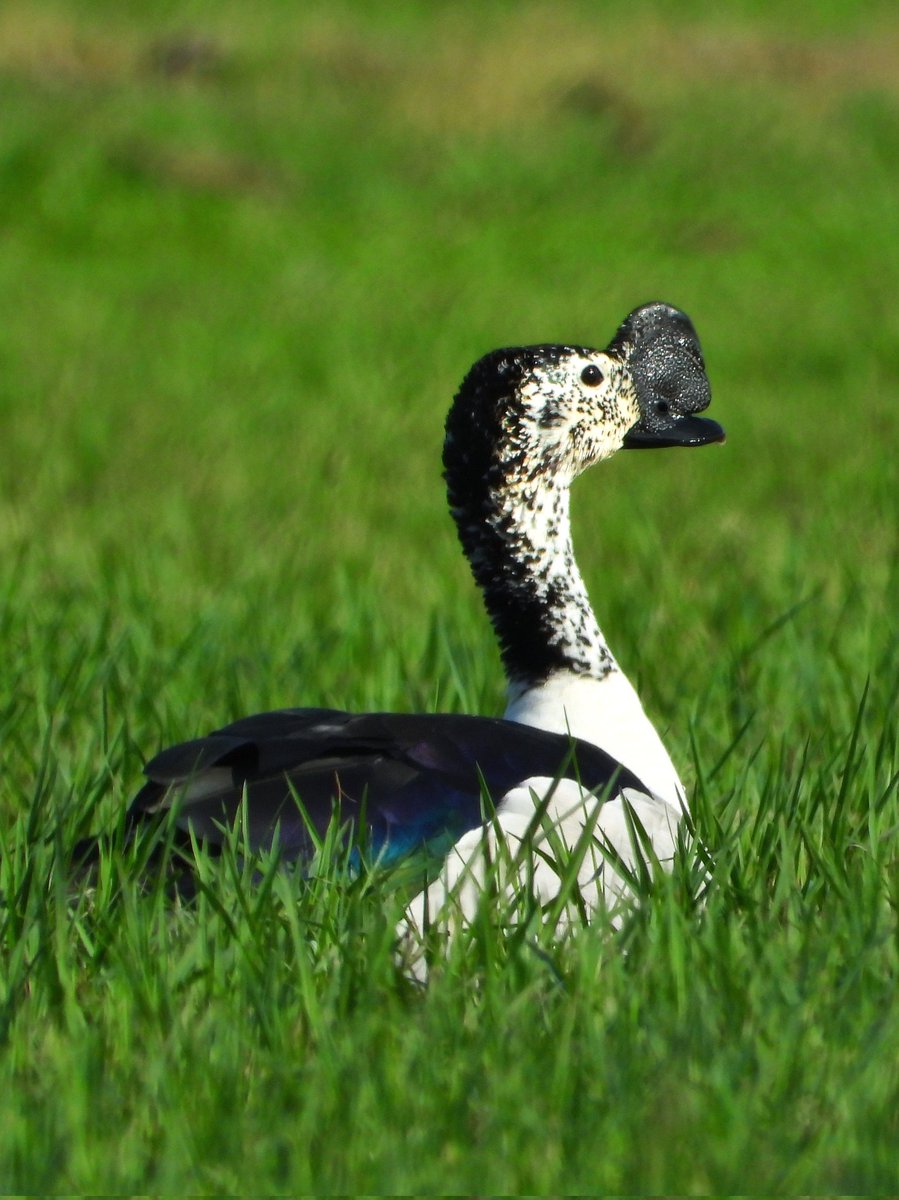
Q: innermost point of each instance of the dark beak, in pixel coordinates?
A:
(661, 350)
(680, 430)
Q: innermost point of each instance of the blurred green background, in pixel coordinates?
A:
(248, 252)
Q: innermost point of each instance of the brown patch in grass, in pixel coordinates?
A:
(471, 72)
(52, 47)
(628, 124)
(199, 170)
(521, 73)
(186, 55)
(812, 75)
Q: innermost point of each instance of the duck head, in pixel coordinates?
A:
(540, 415)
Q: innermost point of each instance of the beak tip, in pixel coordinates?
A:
(685, 429)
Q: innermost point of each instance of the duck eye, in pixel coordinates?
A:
(591, 375)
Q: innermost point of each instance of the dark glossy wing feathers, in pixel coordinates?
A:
(414, 779)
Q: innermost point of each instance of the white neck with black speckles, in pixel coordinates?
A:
(522, 557)
(562, 675)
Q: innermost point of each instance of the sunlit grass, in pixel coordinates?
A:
(245, 261)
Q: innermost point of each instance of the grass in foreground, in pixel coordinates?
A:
(264, 1035)
(244, 265)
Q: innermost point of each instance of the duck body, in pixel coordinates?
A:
(575, 748)
(414, 780)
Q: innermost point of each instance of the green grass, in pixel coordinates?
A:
(246, 255)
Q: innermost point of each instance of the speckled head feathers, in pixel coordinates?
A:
(527, 412)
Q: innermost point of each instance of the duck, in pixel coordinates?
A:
(574, 759)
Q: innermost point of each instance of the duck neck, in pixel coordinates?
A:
(518, 541)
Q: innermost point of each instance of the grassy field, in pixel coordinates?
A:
(247, 253)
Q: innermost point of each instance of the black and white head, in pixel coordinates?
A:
(551, 411)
